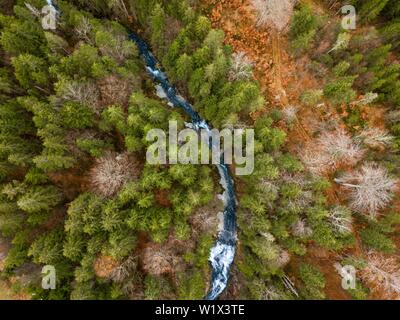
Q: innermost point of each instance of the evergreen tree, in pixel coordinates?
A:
(39, 198)
(157, 26)
(371, 9)
(47, 249)
(340, 90)
(30, 71)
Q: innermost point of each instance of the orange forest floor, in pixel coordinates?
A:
(283, 79)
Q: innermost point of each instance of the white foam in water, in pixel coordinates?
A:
(180, 98)
(223, 183)
(201, 125)
(189, 125)
(221, 258)
(160, 92)
(152, 71)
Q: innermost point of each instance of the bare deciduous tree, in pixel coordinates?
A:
(124, 270)
(159, 260)
(112, 171)
(375, 138)
(371, 188)
(367, 99)
(382, 274)
(301, 229)
(316, 162)
(290, 113)
(84, 31)
(330, 150)
(114, 91)
(274, 13)
(205, 219)
(241, 68)
(340, 147)
(85, 93)
(341, 220)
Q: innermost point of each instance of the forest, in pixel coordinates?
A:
(76, 192)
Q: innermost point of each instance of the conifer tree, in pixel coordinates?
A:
(39, 198)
